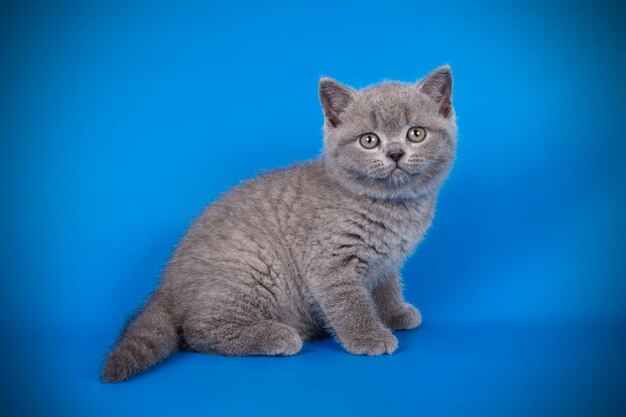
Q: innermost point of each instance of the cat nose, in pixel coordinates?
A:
(395, 154)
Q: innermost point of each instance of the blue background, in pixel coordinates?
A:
(119, 121)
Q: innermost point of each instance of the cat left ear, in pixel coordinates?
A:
(335, 98)
(438, 86)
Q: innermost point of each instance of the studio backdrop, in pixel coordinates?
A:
(121, 120)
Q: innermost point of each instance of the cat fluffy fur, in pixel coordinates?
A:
(310, 250)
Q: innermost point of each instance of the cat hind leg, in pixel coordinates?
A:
(261, 338)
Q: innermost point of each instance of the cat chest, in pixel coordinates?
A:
(379, 245)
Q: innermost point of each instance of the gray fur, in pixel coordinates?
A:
(310, 250)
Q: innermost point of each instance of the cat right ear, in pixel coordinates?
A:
(335, 98)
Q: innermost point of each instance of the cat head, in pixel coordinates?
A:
(390, 140)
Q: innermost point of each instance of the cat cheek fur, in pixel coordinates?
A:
(310, 250)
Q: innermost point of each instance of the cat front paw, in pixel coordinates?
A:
(375, 342)
(407, 317)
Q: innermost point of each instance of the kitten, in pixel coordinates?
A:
(313, 249)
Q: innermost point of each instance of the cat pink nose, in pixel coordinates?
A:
(396, 154)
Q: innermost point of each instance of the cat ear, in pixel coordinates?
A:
(438, 86)
(335, 98)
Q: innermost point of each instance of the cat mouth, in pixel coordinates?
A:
(408, 171)
(399, 175)
(398, 170)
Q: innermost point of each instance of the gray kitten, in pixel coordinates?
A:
(313, 249)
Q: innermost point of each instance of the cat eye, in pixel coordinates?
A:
(416, 134)
(369, 141)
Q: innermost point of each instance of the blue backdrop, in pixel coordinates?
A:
(119, 121)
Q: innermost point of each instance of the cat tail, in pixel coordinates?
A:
(147, 339)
